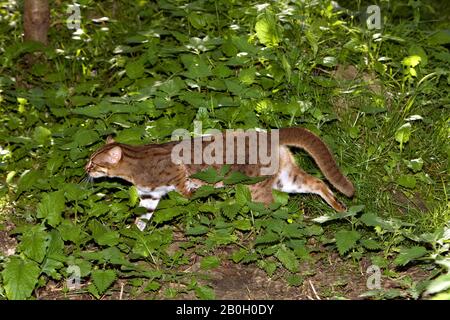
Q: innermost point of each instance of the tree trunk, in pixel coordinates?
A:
(36, 20)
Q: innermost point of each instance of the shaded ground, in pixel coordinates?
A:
(8, 244)
(235, 281)
(326, 276)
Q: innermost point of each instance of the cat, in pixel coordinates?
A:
(152, 169)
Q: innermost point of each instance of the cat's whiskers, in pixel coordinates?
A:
(87, 179)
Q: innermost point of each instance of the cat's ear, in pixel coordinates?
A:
(114, 155)
(110, 139)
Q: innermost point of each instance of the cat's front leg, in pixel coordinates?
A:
(149, 203)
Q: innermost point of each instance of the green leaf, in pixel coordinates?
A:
(172, 86)
(27, 181)
(205, 293)
(84, 265)
(407, 181)
(238, 177)
(70, 231)
(403, 133)
(313, 230)
(222, 71)
(352, 211)
(133, 196)
(243, 225)
(115, 256)
(287, 68)
(35, 241)
(234, 86)
(135, 69)
(105, 108)
(198, 21)
(98, 209)
(287, 259)
(415, 50)
(51, 207)
(209, 175)
(196, 66)
(51, 266)
(54, 163)
(415, 164)
(102, 234)
(196, 230)
(223, 171)
(74, 192)
(103, 279)
(238, 255)
(243, 194)
(84, 137)
(267, 238)
(258, 208)
(329, 61)
(210, 262)
(280, 197)
(247, 76)
(230, 210)
(408, 254)
(371, 220)
(301, 251)
(56, 244)
(20, 277)
(370, 244)
(411, 61)
(439, 284)
(440, 37)
(92, 289)
(167, 214)
(267, 31)
(152, 286)
(294, 280)
(204, 191)
(147, 243)
(268, 266)
(55, 256)
(326, 83)
(41, 134)
(372, 109)
(425, 177)
(346, 239)
(222, 237)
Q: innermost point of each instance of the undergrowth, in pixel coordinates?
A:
(378, 98)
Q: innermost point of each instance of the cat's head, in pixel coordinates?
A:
(105, 161)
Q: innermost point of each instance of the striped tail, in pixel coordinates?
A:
(305, 139)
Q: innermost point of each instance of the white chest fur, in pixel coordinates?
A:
(150, 197)
(155, 193)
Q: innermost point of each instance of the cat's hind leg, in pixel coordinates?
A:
(294, 180)
(262, 191)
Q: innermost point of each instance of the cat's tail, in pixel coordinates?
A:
(305, 139)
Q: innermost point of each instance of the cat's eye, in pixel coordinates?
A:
(90, 165)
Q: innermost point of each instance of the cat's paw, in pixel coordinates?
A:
(340, 207)
(141, 222)
(336, 204)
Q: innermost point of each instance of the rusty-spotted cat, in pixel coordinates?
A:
(153, 171)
